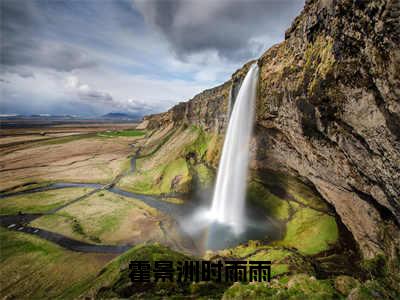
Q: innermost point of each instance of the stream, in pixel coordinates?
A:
(205, 235)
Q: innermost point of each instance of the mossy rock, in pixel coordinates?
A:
(295, 287)
(176, 177)
(204, 174)
(289, 188)
(200, 145)
(310, 232)
(284, 261)
(371, 290)
(274, 206)
(114, 277)
(345, 284)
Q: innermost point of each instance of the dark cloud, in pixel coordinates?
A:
(229, 27)
(4, 80)
(23, 41)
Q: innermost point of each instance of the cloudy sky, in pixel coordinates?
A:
(91, 57)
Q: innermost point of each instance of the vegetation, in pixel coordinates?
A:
(200, 145)
(299, 286)
(108, 219)
(122, 133)
(32, 268)
(204, 174)
(310, 231)
(167, 169)
(163, 179)
(39, 202)
(274, 206)
(114, 282)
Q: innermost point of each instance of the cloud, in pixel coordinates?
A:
(24, 41)
(229, 27)
(86, 92)
(4, 80)
(79, 57)
(93, 96)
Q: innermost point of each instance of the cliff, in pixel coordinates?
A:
(328, 112)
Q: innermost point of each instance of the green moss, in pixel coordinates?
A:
(271, 255)
(200, 144)
(114, 278)
(297, 287)
(214, 149)
(310, 287)
(273, 205)
(310, 231)
(376, 266)
(278, 269)
(319, 61)
(373, 289)
(249, 291)
(292, 188)
(204, 174)
(245, 250)
(176, 177)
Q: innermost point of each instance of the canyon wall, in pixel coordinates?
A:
(328, 112)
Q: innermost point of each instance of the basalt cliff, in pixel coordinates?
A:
(328, 113)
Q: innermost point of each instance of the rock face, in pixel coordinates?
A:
(328, 111)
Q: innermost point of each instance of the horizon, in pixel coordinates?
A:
(85, 59)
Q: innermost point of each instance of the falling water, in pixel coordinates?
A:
(228, 201)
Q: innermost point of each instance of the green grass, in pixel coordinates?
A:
(24, 187)
(146, 182)
(105, 219)
(115, 276)
(159, 180)
(176, 169)
(125, 133)
(310, 231)
(200, 144)
(32, 268)
(39, 202)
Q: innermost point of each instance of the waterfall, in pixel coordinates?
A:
(229, 196)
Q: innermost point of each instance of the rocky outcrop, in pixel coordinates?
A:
(207, 109)
(328, 111)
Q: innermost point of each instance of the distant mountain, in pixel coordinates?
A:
(123, 116)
